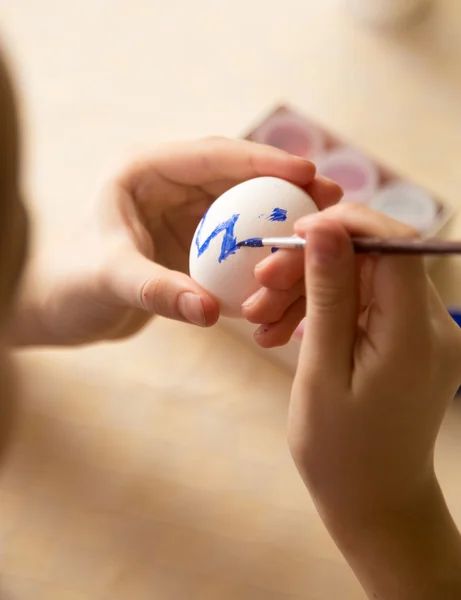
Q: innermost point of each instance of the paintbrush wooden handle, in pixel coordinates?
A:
(405, 246)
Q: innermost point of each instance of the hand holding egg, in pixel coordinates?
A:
(261, 207)
(147, 212)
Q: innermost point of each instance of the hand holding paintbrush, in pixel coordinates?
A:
(379, 363)
(367, 245)
(280, 304)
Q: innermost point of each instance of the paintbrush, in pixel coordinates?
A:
(366, 245)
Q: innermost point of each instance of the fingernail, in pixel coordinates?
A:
(303, 160)
(328, 180)
(253, 299)
(262, 329)
(323, 246)
(299, 332)
(190, 307)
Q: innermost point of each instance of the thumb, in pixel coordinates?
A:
(140, 283)
(330, 327)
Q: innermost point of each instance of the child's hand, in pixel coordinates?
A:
(129, 260)
(380, 361)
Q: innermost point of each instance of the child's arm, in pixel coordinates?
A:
(129, 259)
(410, 552)
(379, 364)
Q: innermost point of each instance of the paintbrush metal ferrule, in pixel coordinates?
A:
(293, 242)
(275, 242)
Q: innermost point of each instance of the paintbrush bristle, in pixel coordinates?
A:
(251, 243)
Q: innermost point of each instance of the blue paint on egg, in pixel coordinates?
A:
(229, 244)
(229, 241)
(278, 214)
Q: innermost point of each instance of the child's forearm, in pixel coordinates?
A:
(412, 554)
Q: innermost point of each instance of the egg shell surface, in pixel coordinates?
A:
(261, 207)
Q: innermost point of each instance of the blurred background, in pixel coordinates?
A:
(115, 463)
(98, 79)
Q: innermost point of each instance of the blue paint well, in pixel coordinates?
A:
(274, 250)
(229, 242)
(278, 214)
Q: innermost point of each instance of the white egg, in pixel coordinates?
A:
(261, 207)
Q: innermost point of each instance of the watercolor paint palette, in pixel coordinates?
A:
(363, 179)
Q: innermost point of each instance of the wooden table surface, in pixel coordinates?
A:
(158, 468)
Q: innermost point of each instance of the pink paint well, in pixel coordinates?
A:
(355, 173)
(350, 176)
(292, 139)
(292, 134)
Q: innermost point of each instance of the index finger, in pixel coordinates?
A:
(213, 165)
(204, 161)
